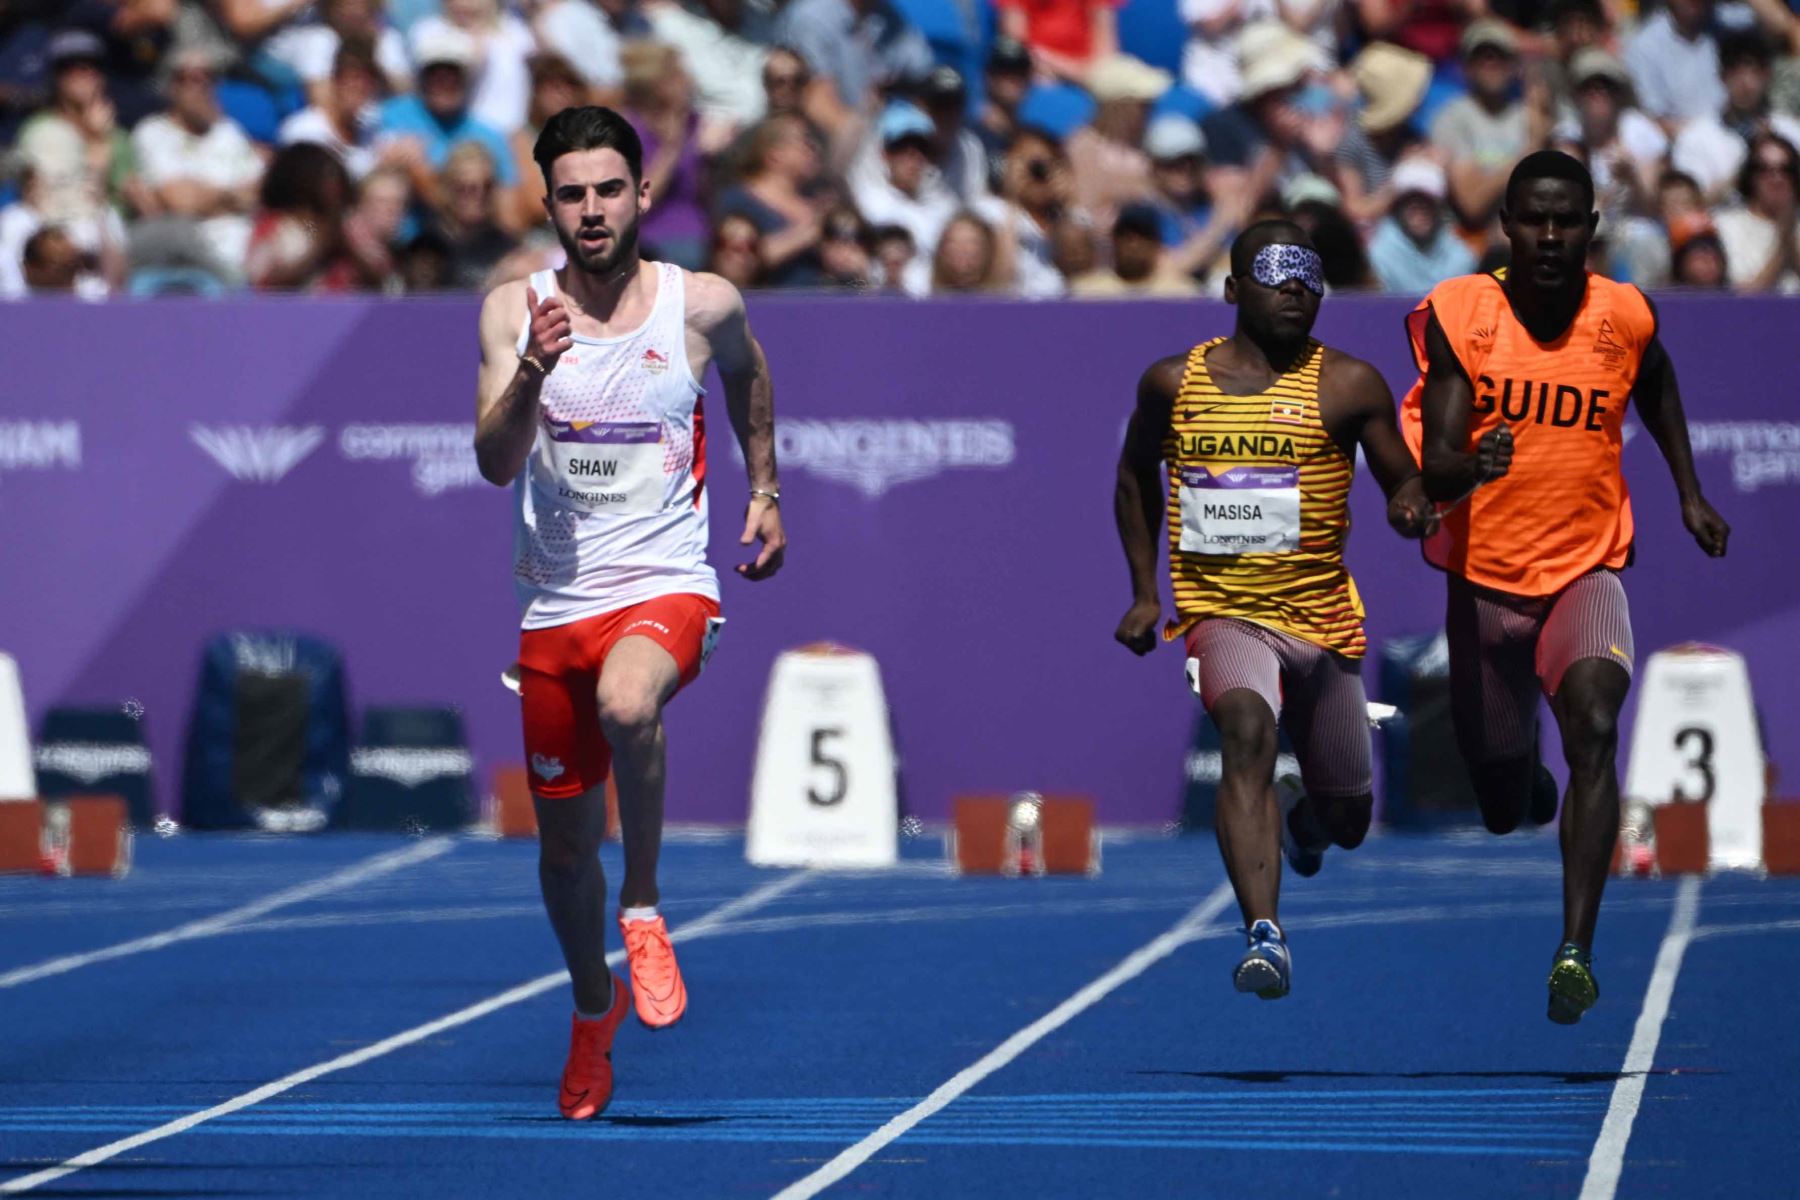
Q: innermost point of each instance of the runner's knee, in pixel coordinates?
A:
(1246, 731)
(1590, 731)
(628, 713)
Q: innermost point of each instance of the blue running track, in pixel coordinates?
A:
(293, 984)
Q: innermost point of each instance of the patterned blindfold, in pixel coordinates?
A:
(1275, 265)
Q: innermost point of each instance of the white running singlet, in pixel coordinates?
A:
(612, 502)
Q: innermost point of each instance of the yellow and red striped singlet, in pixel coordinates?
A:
(1259, 509)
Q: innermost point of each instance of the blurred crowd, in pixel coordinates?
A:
(1033, 148)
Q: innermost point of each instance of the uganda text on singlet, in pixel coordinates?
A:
(1258, 508)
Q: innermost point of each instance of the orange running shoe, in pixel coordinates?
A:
(655, 979)
(587, 1080)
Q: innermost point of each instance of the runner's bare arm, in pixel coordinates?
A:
(1138, 498)
(507, 397)
(716, 311)
(1446, 408)
(1357, 390)
(1658, 398)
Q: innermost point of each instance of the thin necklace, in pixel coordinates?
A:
(578, 306)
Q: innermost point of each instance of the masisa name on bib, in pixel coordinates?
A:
(1241, 510)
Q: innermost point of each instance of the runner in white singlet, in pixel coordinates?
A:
(591, 409)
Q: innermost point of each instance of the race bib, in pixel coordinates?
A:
(606, 467)
(1243, 510)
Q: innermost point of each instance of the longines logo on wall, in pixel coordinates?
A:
(253, 454)
(40, 446)
(876, 455)
(442, 456)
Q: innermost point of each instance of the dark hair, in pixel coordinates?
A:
(1742, 47)
(297, 177)
(358, 52)
(1340, 247)
(550, 65)
(1549, 164)
(35, 246)
(1700, 241)
(1140, 219)
(1674, 178)
(1260, 234)
(1577, 8)
(589, 127)
(888, 233)
(1747, 173)
(1039, 134)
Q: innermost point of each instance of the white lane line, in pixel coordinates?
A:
(418, 1033)
(1607, 1162)
(371, 868)
(1738, 930)
(1191, 926)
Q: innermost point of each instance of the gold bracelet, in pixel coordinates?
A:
(534, 364)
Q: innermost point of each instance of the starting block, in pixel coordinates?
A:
(1781, 837)
(511, 814)
(1683, 844)
(22, 848)
(82, 835)
(1024, 834)
(98, 836)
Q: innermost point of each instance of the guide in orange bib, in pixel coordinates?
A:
(1517, 423)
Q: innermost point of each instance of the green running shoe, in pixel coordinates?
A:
(1572, 987)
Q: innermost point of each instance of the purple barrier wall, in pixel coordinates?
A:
(168, 470)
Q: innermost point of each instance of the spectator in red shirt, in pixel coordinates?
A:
(1066, 37)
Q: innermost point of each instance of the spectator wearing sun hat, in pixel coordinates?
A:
(1213, 60)
(1106, 157)
(437, 116)
(908, 190)
(1177, 152)
(1391, 83)
(1485, 132)
(1627, 154)
(1626, 151)
(1415, 249)
(1267, 130)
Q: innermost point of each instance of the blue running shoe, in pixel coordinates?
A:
(1304, 859)
(1265, 968)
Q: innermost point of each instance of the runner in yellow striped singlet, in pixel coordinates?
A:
(1259, 433)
